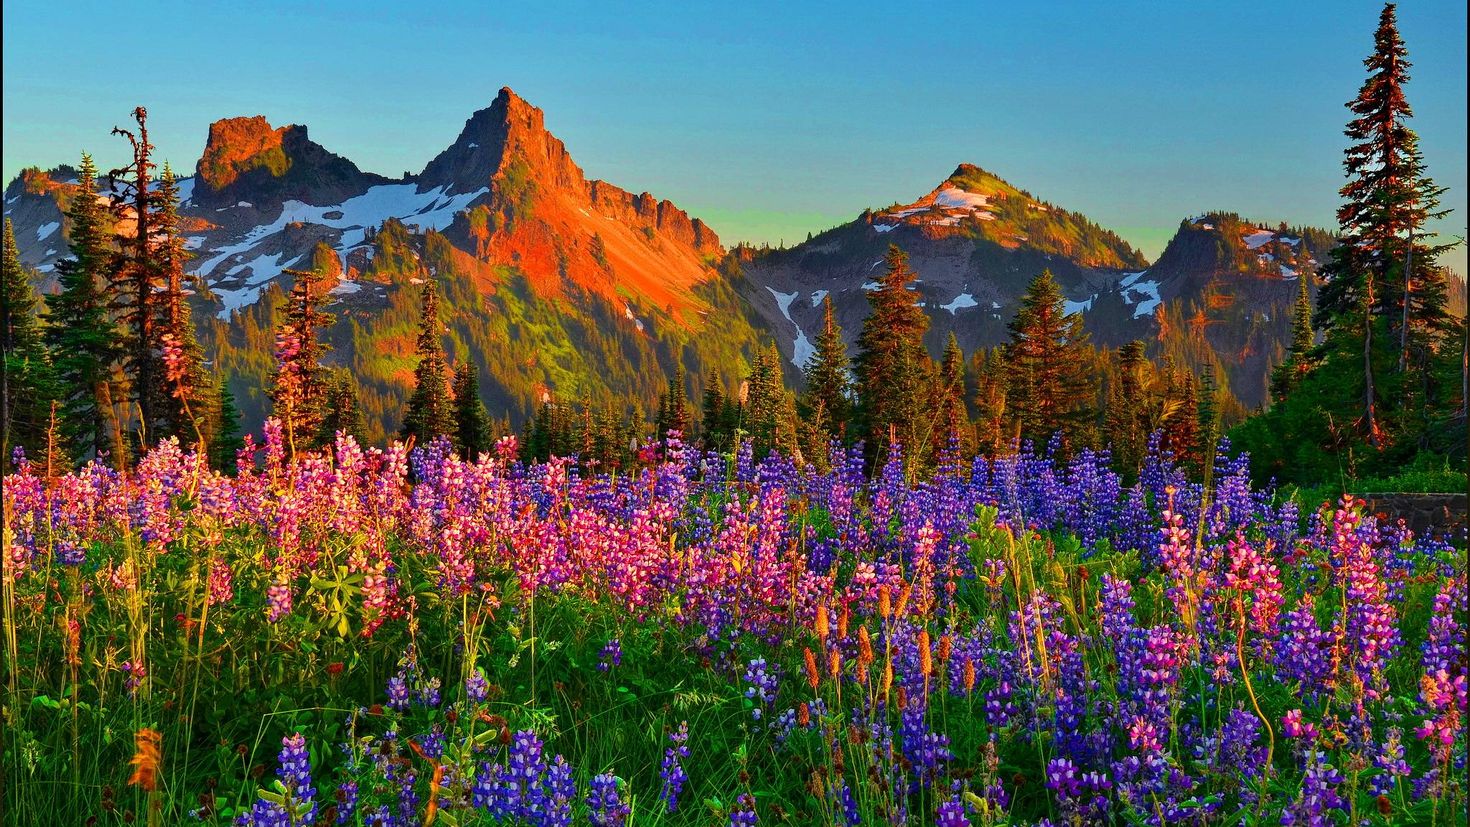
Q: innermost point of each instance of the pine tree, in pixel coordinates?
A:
(715, 420)
(341, 409)
(1052, 387)
(471, 420)
(952, 415)
(298, 391)
(80, 334)
(183, 406)
(761, 413)
(828, 396)
(992, 414)
(27, 387)
(1382, 277)
(1303, 341)
(137, 280)
(1208, 413)
(430, 410)
(893, 368)
(1129, 411)
(673, 408)
(225, 430)
(1181, 419)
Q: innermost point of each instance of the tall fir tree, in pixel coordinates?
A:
(991, 393)
(185, 403)
(471, 421)
(1299, 359)
(1129, 415)
(225, 433)
(80, 333)
(673, 408)
(430, 410)
(341, 409)
(762, 411)
(1052, 386)
(893, 368)
(137, 280)
(951, 413)
(27, 387)
(1207, 410)
(827, 399)
(715, 415)
(1382, 278)
(298, 391)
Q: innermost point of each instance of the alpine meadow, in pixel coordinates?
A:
(499, 494)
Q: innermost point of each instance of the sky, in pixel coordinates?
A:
(772, 120)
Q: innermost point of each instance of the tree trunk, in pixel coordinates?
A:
(1370, 419)
(1404, 325)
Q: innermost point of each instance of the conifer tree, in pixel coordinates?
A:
(471, 420)
(1382, 278)
(341, 409)
(828, 396)
(430, 410)
(1129, 415)
(992, 414)
(26, 384)
(715, 415)
(761, 413)
(1207, 410)
(183, 403)
(1052, 387)
(1303, 341)
(81, 336)
(137, 278)
(673, 407)
(893, 368)
(952, 415)
(1181, 417)
(225, 433)
(298, 391)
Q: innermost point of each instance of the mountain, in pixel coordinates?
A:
(558, 286)
(1221, 292)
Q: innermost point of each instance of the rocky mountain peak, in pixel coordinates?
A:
(246, 159)
(508, 131)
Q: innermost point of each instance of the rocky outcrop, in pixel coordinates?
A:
(1442, 514)
(246, 160)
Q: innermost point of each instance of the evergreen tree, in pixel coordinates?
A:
(764, 406)
(1129, 413)
(673, 408)
(893, 368)
(430, 410)
(952, 415)
(341, 409)
(1181, 419)
(1207, 410)
(471, 420)
(26, 384)
(1052, 387)
(828, 396)
(225, 430)
(298, 391)
(715, 419)
(1303, 341)
(992, 383)
(183, 405)
(81, 336)
(137, 280)
(1382, 278)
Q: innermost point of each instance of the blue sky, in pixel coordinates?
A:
(770, 120)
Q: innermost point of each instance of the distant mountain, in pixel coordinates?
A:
(570, 288)
(1222, 290)
(560, 286)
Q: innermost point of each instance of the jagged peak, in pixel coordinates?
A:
(247, 159)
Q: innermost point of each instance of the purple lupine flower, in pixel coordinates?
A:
(744, 813)
(762, 687)
(1319, 799)
(611, 655)
(476, 687)
(672, 771)
(605, 807)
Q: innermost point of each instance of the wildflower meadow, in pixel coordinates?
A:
(402, 637)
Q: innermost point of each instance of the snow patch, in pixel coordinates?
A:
(960, 302)
(960, 199)
(1069, 307)
(1258, 237)
(47, 229)
(818, 296)
(345, 288)
(871, 285)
